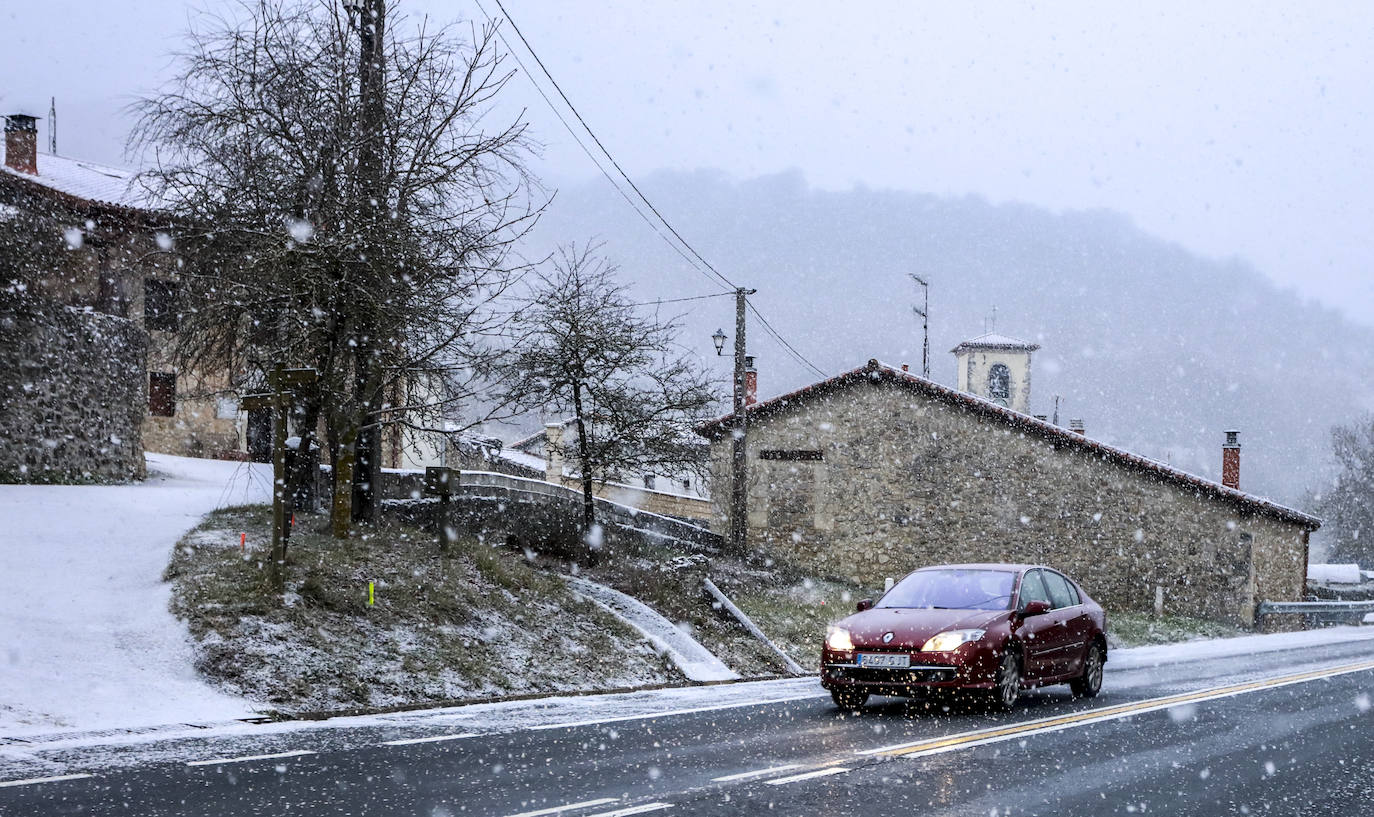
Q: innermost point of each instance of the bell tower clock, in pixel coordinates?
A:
(997, 368)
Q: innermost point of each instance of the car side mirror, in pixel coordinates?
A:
(864, 604)
(1035, 608)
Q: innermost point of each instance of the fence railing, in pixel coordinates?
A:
(1323, 609)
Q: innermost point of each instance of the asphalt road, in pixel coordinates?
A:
(1275, 733)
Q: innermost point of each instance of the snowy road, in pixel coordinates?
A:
(88, 640)
(1284, 728)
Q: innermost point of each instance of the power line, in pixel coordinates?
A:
(768, 327)
(614, 163)
(586, 150)
(645, 199)
(657, 301)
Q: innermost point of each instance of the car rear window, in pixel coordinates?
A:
(953, 590)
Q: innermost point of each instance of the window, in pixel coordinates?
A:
(227, 407)
(1033, 589)
(162, 394)
(1060, 592)
(999, 382)
(160, 305)
(952, 589)
(686, 483)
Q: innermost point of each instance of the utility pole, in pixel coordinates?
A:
(371, 19)
(738, 486)
(924, 312)
(52, 126)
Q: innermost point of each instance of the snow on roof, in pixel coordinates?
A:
(875, 371)
(992, 340)
(523, 459)
(89, 181)
(1335, 573)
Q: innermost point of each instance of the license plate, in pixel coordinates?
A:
(883, 660)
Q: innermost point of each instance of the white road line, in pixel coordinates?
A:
(430, 739)
(569, 807)
(756, 773)
(671, 713)
(623, 812)
(796, 778)
(31, 780)
(218, 760)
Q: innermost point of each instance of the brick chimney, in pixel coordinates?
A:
(21, 143)
(1230, 460)
(751, 381)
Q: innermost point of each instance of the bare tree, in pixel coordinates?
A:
(345, 204)
(1349, 503)
(585, 350)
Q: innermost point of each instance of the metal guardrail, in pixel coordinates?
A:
(1270, 608)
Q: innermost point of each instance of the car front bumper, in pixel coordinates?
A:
(963, 668)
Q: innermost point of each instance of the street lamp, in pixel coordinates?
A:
(719, 339)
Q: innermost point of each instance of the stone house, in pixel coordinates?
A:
(114, 262)
(876, 472)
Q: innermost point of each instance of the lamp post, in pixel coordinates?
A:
(735, 541)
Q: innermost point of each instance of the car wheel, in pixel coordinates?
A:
(1089, 683)
(1008, 683)
(850, 700)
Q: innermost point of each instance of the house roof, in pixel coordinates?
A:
(874, 371)
(992, 340)
(88, 182)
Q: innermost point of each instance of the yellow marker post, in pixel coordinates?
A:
(370, 597)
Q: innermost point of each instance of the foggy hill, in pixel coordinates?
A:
(1157, 349)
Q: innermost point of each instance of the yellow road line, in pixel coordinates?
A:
(1056, 723)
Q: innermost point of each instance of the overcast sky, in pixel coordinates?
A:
(1233, 128)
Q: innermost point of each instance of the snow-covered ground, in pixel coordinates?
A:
(88, 642)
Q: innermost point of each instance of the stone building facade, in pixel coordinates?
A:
(71, 393)
(83, 236)
(877, 472)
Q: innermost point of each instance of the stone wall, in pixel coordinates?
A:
(907, 480)
(72, 397)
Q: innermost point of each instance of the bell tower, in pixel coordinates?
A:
(997, 368)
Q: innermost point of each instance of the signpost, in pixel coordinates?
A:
(442, 482)
(282, 381)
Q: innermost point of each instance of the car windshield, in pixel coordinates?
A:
(953, 589)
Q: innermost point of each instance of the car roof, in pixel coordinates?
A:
(1009, 567)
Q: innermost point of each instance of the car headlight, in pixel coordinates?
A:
(838, 639)
(951, 640)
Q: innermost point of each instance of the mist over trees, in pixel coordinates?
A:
(1348, 502)
(1157, 349)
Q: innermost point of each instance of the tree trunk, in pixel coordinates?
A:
(341, 512)
(583, 459)
(368, 451)
(304, 467)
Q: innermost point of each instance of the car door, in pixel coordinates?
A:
(1071, 624)
(1038, 634)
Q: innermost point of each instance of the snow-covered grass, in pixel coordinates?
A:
(1143, 629)
(88, 642)
(789, 607)
(475, 623)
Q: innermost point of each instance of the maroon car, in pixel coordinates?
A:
(994, 628)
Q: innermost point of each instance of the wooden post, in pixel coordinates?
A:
(282, 381)
(441, 482)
